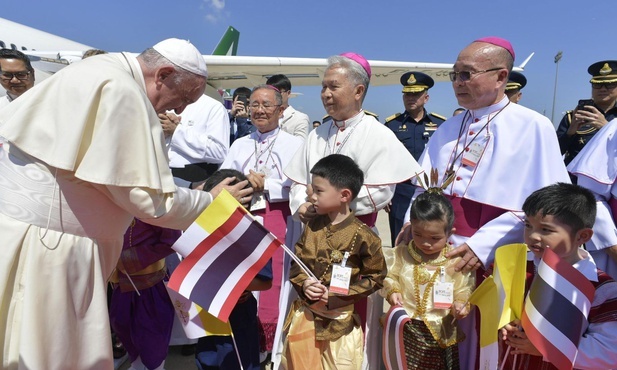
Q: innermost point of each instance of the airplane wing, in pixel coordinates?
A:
(226, 72)
(232, 71)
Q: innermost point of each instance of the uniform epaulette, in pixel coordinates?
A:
(371, 114)
(438, 116)
(392, 117)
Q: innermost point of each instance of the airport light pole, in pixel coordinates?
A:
(557, 59)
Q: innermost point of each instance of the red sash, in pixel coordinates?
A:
(470, 215)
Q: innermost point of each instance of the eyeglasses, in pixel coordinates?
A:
(265, 106)
(607, 85)
(8, 76)
(468, 75)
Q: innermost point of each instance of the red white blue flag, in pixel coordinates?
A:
(393, 346)
(556, 310)
(224, 249)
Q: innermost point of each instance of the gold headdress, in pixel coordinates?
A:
(434, 188)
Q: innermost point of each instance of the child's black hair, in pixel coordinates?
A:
(341, 171)
(221, 175)
(570, 204)
(432, 206)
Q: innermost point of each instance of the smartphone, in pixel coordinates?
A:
(244, 99)
(583, 102)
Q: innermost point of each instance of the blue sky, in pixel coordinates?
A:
(422, 31)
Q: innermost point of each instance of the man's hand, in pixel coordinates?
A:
(238, 109)
(514, 336)
(404, 236)
(169, 122)
(388, 207)
(306, 212)
(469, 260)
(591, 116)
(242, 195)
(575, 124)
(257, 180)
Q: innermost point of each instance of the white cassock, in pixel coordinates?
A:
(384, 161)
(517, 152)
(381, 156)
(85, 154)
(596, 169)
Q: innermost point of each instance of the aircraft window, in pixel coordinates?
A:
(13, 46)
(2, 45)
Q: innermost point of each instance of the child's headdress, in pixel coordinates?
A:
(434, 188)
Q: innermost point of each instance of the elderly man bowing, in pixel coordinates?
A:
(491, 157)
(85, 156)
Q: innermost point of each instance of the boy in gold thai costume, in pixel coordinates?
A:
(345, 255)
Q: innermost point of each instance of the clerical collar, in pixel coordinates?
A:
(477, 114)
(266, 135)
(342, 125)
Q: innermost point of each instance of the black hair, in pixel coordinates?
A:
(242, 91)
(16, 54)
(221, 175)
(432, 206)
(341, 171)
(570, 204)
(281, 82)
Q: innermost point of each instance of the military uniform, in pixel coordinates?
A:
(602, 73)
(414, 136)
(516, 82)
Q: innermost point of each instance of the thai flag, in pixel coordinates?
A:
(393, 345)
(224, 249)
(556, 310)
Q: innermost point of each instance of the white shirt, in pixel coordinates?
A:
(295, 122)
(202, 135)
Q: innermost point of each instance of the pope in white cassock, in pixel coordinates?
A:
(85, 154)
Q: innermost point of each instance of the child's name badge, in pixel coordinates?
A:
(258, 202)
(443, 294)
(472, 156)
(341, 276)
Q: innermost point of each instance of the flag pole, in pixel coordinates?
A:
(233, 339)
(299, 262)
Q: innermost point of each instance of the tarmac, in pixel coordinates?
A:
(177, 361)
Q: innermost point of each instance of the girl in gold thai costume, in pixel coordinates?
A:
(423, 281)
